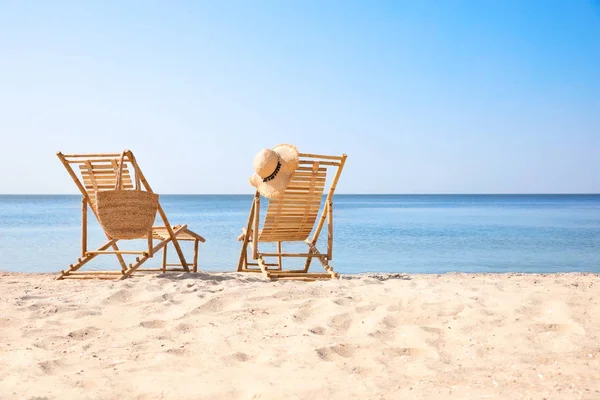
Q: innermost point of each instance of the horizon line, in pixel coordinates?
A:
(339, 194)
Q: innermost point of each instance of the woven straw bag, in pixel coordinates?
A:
(126, 214)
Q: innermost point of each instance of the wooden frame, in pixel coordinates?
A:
(98, 172)
(291, 218)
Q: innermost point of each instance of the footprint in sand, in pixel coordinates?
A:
(448, 309)
(382, 335)
(343, 350)
(51, 366)
(341, 322)
(87, 313)
(368, 309)
(30, 297)
(212, 305)
(385, 329)
(85, 333)
(127, 285)
(239, 357)
(409, 352)
(169, 298)
(399, 306)
(329, 353)
(41, 310)
(561, 328)
(119, 297)
(153, 288)
(190, 291)
(184, 328)
(431, 329)
(305, 311)
(302, 315)
(317, 330)
(154, 324)
(51, 342)
(42, 306)
(324, 353)
(177, 352)
(344, 301)
(35, 333)
(390, 322)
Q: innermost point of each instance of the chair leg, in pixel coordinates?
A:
(195, 269)
(180, 253)
(307, 264)
(164, 260)
(324, 261)
(132, 267)
(263, 267)
(308, 259)
(120, 258)
(243, 262)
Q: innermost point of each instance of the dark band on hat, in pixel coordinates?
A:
(274, 174)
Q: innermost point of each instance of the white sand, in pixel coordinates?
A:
(230, 336)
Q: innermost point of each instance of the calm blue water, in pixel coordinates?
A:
(385, 233)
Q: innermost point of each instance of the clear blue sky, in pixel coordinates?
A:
(424, 96)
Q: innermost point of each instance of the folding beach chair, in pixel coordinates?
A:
(291, 217)
(99, 172)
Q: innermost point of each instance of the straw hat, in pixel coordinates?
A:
(274, 169)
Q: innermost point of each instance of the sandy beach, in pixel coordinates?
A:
(233, 336)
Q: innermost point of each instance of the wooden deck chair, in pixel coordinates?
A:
(291, 217)
(99, 172)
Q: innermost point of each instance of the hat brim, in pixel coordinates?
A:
(290, 154)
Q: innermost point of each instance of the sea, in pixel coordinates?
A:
(372, 233)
